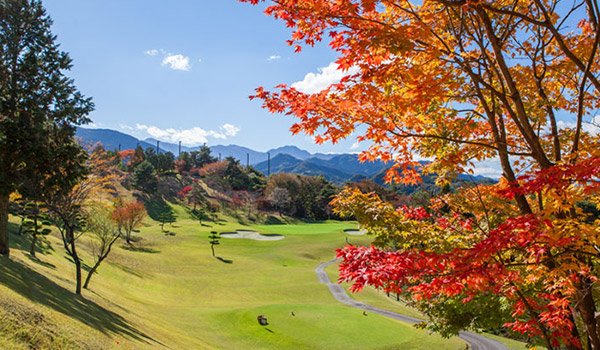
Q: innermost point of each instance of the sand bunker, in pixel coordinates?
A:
(355, 232)
(247, 234)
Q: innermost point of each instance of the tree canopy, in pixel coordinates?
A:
(39, 104)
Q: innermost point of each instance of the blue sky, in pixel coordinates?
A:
(183, 69)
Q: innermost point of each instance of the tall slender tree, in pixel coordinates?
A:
(36, 98)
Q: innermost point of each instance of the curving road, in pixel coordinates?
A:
(476, 341)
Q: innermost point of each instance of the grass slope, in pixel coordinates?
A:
(169, 292)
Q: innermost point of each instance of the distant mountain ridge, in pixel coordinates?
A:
(112, 139)
(338, 168)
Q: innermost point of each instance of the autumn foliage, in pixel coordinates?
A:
(458, 82)
(129, 216)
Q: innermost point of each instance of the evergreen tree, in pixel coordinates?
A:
(144, 177)
(37, 101)
(202, 156)
(213, 239)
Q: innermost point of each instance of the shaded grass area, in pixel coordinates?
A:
(23, 327)
(41, 290)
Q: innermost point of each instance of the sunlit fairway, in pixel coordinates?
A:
(170, 292)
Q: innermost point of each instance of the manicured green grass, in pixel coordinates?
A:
(376, 298)
(168, 291)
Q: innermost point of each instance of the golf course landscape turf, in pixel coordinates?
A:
(167, 291)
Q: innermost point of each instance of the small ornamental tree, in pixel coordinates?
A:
(128, 217)
(458, 82)
(166, 217)
(35, 223)
(213, 239)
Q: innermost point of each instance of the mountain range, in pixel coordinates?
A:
(337, 168)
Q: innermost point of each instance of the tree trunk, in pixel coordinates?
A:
(20, 232)
(212, 247)
(587, 309)
(89, 275)
(4, 247)
(34, 236)
(77, 264)
(33, 242)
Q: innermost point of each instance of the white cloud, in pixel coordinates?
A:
(173, 61)
(177, 62)
(94, 125)
(189, 137)
(315, 82)
(355, 145)
(273, 58)
(152, 52)
(488, 168)
(230, 130)
(494, 173)
(592, 126)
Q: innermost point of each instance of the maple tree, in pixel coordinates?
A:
(128, 216)
(456, 82)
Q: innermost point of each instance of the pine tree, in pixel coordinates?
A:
(37, 101)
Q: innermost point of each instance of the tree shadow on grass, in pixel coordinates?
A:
(129, 270)
(140, 249)
(23, 242)
(226, 261)
(159, 210)
(39, 289)
(37, 260)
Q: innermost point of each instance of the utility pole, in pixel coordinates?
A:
(119, 147)
(157, 143)
(179, 154)
(219, 157)
(247, 160)
(268, 164)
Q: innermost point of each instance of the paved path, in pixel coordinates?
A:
(476, 341)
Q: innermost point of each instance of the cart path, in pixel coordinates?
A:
(476, 341)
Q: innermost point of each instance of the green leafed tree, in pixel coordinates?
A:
(37, 100)
(105, 233)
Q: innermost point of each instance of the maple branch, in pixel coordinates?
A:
(451, 139)
(563, 46)
(537, 151)
(580, 99)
